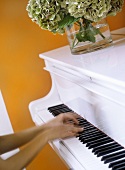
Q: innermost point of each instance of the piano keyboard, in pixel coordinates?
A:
(93, 149)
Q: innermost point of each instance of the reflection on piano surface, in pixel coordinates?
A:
(93, 86)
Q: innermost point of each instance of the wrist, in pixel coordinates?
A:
(46, 136)
(41, 129)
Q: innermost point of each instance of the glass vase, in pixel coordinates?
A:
(88, 37)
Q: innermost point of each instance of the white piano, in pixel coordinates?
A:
(92, 85)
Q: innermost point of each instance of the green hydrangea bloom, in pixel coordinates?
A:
(93, 10)
(116, 6)
(47, 13)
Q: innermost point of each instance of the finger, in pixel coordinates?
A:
(74, 129)
(74, 114)
(70, 130)
(71, 134)
(77, 130)
(70, 116)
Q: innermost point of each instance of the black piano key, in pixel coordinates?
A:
(84, 123)
(56, 107)
(93, 137)
(103, 138)
(87, 132)
(121, 168)
(118, 166)
(112, 164)
(99, 143)
(87, 124)
(104, 148)
(88, 128)
(108, 151)
(114, 156)
(86, 140)
(60, 111)
(89, 135)
(82, 138)
(80, 119)
(55, 112)
(65, 109)
(90, 131)
(61, 106)
(98, 140)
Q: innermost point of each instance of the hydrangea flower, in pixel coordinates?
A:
(47, 13)
(116, 6)
(56, 15)
(93, 10)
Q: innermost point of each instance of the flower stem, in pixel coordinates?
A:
(87, 32)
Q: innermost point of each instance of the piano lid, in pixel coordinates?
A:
(107, 64)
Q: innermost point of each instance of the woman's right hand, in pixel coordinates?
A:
(60, 127)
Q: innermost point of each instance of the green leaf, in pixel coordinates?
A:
(80, 37)
(68, 20)
(90, 36)
(99, 32)
(96, 31)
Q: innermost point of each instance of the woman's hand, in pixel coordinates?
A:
(64, 125)
(64, 118)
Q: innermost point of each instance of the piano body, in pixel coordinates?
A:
(92, 85)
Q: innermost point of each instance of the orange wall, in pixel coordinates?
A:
(22, 78)
(118, 21)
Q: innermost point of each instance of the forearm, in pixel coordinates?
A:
(13, 141)
(26, 155)
(52, 130)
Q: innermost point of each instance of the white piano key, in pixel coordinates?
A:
(84, 155)
(73, 163)
(38, 121)
(45, 115)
